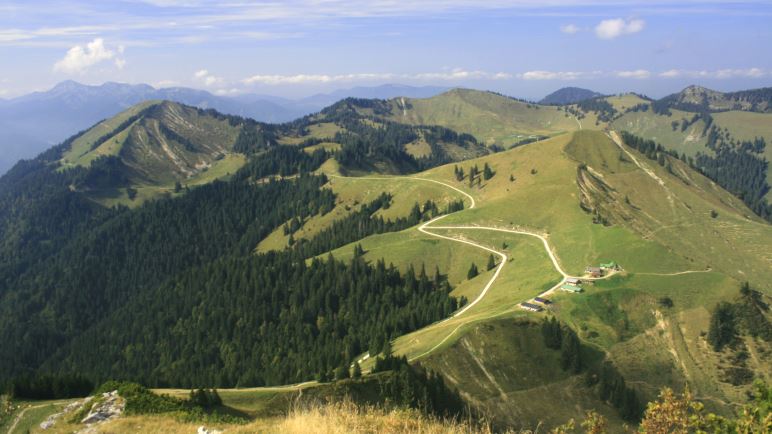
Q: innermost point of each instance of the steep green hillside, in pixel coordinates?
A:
(158, 143)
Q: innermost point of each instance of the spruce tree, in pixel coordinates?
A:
(473, 272)
(722, 329)
(570, 354)
(491, 262)
(487, 172)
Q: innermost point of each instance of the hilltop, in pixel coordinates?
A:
(493, 119)
(569, 95)
(697, 99)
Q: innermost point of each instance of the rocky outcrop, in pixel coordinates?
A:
(109, 407)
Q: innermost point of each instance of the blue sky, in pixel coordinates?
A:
(293, 48)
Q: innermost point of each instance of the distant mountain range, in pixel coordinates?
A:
(32, 123)
(569, 95)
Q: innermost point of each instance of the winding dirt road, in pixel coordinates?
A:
(427, 227)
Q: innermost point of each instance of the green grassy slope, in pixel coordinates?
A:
(491, 118)
(80, 151)
(158, 144)
(662, 234)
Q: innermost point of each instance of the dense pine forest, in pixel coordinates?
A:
(256, 320)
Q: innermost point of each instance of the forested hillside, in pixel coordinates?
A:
(75, 272)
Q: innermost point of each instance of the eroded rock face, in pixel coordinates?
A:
(109, 408)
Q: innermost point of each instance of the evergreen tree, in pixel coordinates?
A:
(459, 172)
(358, 251)
(552, 332)
(487, 172)
(570, 351)
(722, 329)
(341, 372)
(491, 262)
(473, 272)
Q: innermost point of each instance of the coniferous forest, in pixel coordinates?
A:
(171, 292)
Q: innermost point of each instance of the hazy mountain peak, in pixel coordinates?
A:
(569, 95)
(68, 85)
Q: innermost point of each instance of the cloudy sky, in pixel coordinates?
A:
(294, 48)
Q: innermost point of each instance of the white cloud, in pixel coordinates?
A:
(459, 74)
(14, 35)
(228, 92)
(570, 29)
(638, 73)
(310, 78)
(454, 74)
(731, 73)
(670, 73)
(610, 29)
(718, 74)
(79, 58)
(208, 79)
(552, 75)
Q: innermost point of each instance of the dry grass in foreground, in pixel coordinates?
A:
(344, 417)
(347, 417)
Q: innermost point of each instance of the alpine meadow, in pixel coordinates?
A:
(570, 235)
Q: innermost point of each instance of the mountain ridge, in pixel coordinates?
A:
(71, 106)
